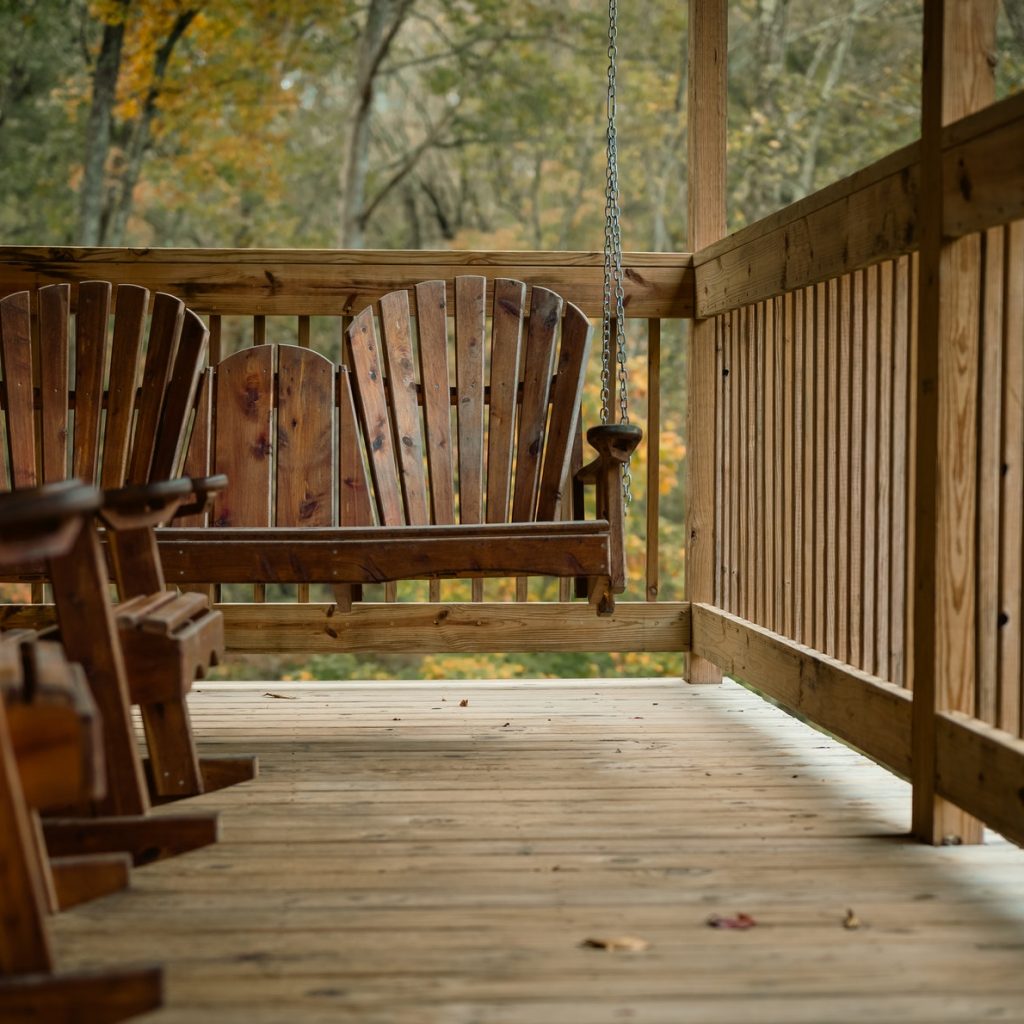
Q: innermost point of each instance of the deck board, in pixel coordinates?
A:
(404, 859)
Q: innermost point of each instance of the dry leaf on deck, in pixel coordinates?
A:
(618, 944)
(851, 921)
(279, 696)
(741, 922)
(464, 703)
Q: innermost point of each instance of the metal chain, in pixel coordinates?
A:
(613, 277)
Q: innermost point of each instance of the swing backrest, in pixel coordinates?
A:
(93, 395)
(528, 380)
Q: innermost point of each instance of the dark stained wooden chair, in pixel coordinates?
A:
(131, 402)
(485, 498)
(51, 756)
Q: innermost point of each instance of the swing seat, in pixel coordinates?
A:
(371, 447)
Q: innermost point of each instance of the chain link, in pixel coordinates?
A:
(614, 289)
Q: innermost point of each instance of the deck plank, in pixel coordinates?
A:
(405, 859)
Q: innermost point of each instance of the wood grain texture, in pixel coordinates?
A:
(432, 327)
(469, 372)
(54, 305)
(90, 366)
(16, 364)
(310, 282)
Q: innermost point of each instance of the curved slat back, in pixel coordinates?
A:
(374, 413)
(470, 327)
(506, 335)
(305, 450)
(545, 315)
(130, 307)
(405, 411)
(90, 364)
(179, 397)
(566, 394)
(164, 335)
(16, 365)
(54, 303)
(243, 401)
(431, 318)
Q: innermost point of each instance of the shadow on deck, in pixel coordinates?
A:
(405, 859)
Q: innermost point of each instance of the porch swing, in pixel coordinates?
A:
(409, 508)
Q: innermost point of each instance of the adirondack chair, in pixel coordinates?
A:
(167, 639)
(424, 512)
(51, 756)
(90, 637)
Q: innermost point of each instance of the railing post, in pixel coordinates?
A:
(957, 79)
(707, 93)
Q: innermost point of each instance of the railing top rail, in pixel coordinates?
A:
(330, 282)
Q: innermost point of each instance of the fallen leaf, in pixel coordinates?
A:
(741, 922)
(395, 719)
(279, 696)
(506, 725)
(618, 944)
(464, 703)
(851, 921)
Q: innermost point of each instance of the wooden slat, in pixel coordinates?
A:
(431, 322)
(179, 398)
(870, 507)
(469, 372)
(54, 349)
(259, 329)
(807, 574)
(790, 486)
(90, 363)
(538, 360)
(857, 468)
(822, 555)
(354, 501)
(405, 413)
(747, 493)
(830, 341)
(372, 406)
(130, 306)
(652, 576)
(842, 509)
(242, 438)
(566, 394)
(311, 555)
(506, 338)
(724, 525)
(216, 350)
(736, 510)
(303, 495)
(471, 628)
(1011, 601)
(760, 507)
(164, 335)
(302, 332)
(903, 313)
(776, 593)
(799, 484)
(883, 470)
(310, 282)
(19, 418)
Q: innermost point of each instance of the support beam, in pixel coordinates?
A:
(958, 79)
(707, 99)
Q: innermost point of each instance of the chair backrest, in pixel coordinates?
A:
(307, 443)
(531, 384)
(127, 409)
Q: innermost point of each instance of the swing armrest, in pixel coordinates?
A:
(203, 489)
(139, 506)
(614, 444)
(43, 522)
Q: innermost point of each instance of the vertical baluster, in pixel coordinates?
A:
(654, 455)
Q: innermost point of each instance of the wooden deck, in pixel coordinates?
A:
(404, 859)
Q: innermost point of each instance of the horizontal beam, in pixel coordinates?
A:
(872, 215)
(381, 554)
(337, 282)
(867, 712)
(981, 769)
(408, 628)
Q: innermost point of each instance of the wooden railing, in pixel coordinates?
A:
(820, 511)
(305, 298)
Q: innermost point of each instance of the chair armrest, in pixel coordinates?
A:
(43, 522)
(138, 506)
(203, 490)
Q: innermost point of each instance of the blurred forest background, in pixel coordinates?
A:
(468, 124)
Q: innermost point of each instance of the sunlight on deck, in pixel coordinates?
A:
(404, 858)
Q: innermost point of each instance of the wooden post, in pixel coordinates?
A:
(958, 79)
(707, 91)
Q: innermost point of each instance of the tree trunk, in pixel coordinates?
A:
(97, 132)
(383, 20)
(139, 139)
